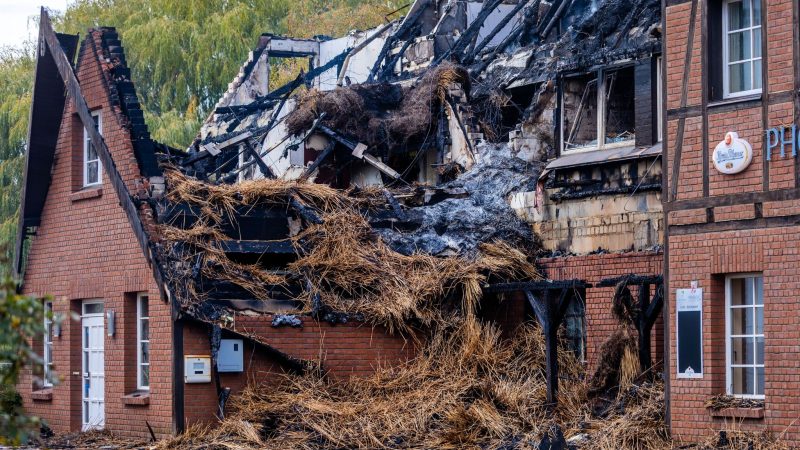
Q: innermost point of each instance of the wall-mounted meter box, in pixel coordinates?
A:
(231, 355)
(197, 369)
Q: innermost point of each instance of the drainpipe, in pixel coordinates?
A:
(360, 47)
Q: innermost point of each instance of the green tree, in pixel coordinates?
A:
(21, 320)
(16, 80)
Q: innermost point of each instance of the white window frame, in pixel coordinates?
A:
(86, 139)
(600, 133)
(47, 341)
(726, 87)
(140, 298)
(728, 337)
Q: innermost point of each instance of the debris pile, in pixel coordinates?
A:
(468, 388)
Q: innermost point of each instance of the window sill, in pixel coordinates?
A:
(138, 398)
(86, 193)
(42, 395)
(739, 413)
(754, 98)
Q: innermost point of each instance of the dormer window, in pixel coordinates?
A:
(92, 169)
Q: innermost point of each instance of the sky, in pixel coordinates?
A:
(15, 15)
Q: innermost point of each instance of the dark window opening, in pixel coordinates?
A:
(620, 107)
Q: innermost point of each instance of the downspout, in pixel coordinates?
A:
(360, 47)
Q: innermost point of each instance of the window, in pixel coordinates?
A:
(741, 42)
(92, 169)
(575, 327)
(598, 110)
(47, 351)
(143, 341)
(744, 298)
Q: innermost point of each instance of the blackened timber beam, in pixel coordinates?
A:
(676, 160)
(500, 25)
(73, 89)
(644, 327)
(257, 247)
(262, 166)
(319, 160)
(632, 280)
(304, 211)
(469, 34)
(498, 288)
(265, 306)
(549, 308)
(404, 28)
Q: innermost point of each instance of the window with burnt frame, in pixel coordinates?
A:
(734, 53)
(598, 110)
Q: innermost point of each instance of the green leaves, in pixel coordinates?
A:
(21, 321)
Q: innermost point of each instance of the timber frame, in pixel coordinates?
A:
(550, 301)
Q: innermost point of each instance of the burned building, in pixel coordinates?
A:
(490, 159)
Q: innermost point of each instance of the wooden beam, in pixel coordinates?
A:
(676, 160)
(257, 247)
(733, 199)
(319, 160)
(109, 167)
(534, 286)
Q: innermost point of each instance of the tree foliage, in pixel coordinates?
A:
(16, 79)
(22, 320)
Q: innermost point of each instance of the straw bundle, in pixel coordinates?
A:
(467, 388)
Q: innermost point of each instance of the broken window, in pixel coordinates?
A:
(598, 110)
(92, 169)
(575, 327)
(580, 112)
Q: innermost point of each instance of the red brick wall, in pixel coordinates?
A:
(593, 268)
(85, 249)
(706, 259)
(702, 252)
(352, 349)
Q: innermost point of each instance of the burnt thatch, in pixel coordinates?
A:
(384, 116)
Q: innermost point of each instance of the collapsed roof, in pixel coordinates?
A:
(401, 117)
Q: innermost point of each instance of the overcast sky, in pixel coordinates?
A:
(15, 23)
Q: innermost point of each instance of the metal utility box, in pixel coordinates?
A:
(197, 369)
(231, 355)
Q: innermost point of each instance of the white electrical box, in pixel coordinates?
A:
(197, 369)
(231, 355)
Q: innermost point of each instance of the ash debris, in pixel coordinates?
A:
(459, 225)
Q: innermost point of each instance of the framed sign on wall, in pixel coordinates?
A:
(689, 326)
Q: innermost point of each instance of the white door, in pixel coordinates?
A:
(93, 392)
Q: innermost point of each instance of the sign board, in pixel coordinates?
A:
(732, 155)
(689, 321)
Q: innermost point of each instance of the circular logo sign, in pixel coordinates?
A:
(732, 155)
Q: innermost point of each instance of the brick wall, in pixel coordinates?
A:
(706, 259)
(351, 349)
(704, 245)
(593, 268)
(85, 249)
